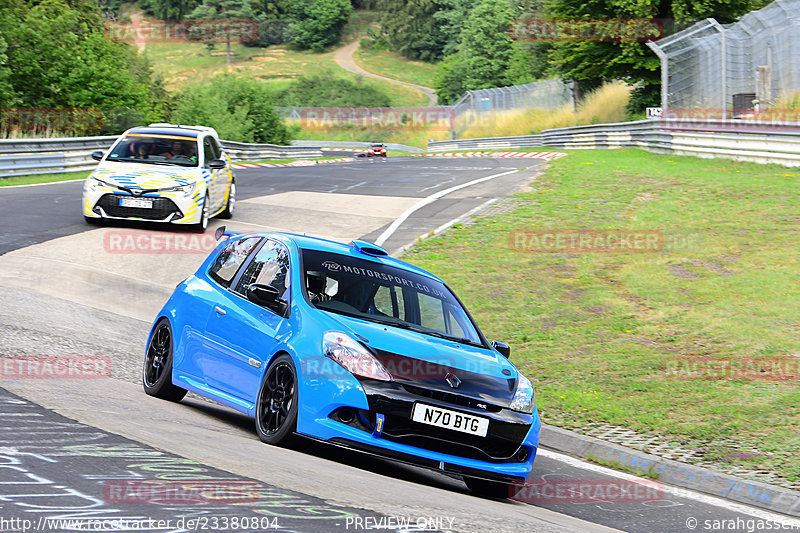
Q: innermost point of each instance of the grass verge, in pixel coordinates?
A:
(602, 333)
(43, 178)
(392, 65)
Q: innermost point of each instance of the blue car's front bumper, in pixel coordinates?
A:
(505, 454)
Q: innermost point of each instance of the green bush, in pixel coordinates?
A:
(240, 109)
(322, 23)
(327, 91)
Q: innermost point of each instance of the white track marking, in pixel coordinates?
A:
(430, 199)
(446, 225)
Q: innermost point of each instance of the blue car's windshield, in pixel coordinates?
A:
(388, 295)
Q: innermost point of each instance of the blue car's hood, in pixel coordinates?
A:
(425, 361)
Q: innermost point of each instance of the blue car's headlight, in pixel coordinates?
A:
(524, 398)
(343, 349)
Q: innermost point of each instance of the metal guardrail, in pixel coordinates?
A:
(484, 143)
(21, 157)
(249, 152)
(358, 144)
(746, 140)
(72, 144)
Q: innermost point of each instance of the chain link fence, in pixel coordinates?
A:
(733, 70)
(478, 106)
(484, 104)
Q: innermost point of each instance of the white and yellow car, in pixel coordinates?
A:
(162, 173)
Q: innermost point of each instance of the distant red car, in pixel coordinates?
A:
(376, 150)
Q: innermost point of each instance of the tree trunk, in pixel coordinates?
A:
(228, 44)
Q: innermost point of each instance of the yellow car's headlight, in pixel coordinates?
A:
(94, 184)
(187, 189)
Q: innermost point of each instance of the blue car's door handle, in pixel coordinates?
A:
(220, 310)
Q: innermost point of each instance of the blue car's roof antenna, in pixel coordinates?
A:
(368, 248)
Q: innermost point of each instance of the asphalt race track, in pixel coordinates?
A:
(69, 446)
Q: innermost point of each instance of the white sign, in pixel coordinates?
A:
(653, 112)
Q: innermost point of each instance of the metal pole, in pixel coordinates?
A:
(724, 89)
(662, 56)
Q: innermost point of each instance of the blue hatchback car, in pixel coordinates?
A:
(346, 345)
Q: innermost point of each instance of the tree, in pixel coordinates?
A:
(486, 44)
(528, 62)
(58, 57)
(484, 52)
(228, 10)
(410, 27)
(240, 109)
(451, 18)
(8, 97)
(590, 62)
(321, 23)
(169, 9)
(449, 80)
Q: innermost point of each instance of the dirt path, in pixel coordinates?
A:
(139, 40)
(344, 57)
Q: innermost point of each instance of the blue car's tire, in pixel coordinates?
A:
(488, 489)
(157, 368)
(276, 406)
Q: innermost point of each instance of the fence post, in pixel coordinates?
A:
(662, 56)
(723, 60)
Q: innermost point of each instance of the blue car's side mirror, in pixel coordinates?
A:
(503, 348)
(267, 296)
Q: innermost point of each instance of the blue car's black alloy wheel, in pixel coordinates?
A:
(157, 370)
(276, 408)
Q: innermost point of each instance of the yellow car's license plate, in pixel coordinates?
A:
(136, 202)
